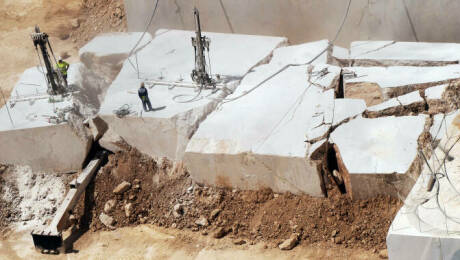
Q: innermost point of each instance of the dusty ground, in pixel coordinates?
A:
(69, 23)
(149, 242)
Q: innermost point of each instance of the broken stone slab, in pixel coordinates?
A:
(347, 108)
(112, 141)
(122, 187)
(374, 153)
(253, 143)
(391, 53)
(441, 122)
(408, 104)
(378, 84)
(289, 243)
(98, 127)
(428, 216)
(102, 60)
(340, 57)
(107, 220)
(178, 108)
(443, 98)
(38, 130)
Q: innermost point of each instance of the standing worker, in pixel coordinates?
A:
(144, 96)
(63, 67)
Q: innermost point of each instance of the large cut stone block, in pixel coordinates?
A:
(391, 53)
(374, 154)
(33, 137)
(378, 84)
(429, 217)
(257, 140)
(178, 107)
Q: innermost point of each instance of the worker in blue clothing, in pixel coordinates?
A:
(144, 96)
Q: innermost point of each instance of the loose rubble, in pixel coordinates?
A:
(169, 198)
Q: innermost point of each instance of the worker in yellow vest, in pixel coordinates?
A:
(63, 67)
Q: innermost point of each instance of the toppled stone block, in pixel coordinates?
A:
(391, 53)
(122, 187)
(374, 155)
(98, 127)
(111, 141)
(378, 84)
(289, 243)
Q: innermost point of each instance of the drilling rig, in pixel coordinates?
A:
(199, 75)
(54, 79)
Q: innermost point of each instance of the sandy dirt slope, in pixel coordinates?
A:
(18, 20)
(70, 24)
(148, 242)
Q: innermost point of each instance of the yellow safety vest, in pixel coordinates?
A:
(62, 66)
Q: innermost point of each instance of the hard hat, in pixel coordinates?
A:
(59, 58)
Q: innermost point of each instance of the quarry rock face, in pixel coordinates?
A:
(428, 216)
(42, 133)
(257, 140)
(391, 53)
(177, 110)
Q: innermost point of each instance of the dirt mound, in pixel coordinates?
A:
(167, 197)
(98, 16)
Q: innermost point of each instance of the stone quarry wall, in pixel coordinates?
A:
(307, 20)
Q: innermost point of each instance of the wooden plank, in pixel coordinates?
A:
(73, 195)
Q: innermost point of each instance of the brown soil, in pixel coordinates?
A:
(255, 216)
(98, 16)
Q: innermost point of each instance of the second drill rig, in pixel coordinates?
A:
(54, 78)
(200, 43)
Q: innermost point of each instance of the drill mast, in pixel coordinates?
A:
(54, 78)
(200, 43)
